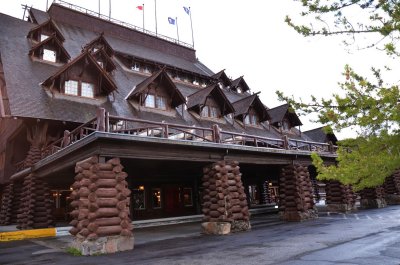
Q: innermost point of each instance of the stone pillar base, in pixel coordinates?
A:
(216, 228)
(392, 199)
(341, 208)
(240, 225)
(103, 245)
(372, 203)
(298, 216)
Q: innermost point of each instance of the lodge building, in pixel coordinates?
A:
(102, 123)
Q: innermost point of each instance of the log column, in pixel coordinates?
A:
(339, 197)
(372, 198)
(224, 200)
(6, 206)
(100, 203)
(392, 188)
(296, 194)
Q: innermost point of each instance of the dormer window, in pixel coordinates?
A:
(78, 88)
(101, 64)
(43, 37)
(155, 101)
(210, 112)
(286, 125)
(251, 119)
(239, 90)
(135, 67)
(49, 55)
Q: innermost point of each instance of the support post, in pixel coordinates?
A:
(392, 188)
(339, 197)
(373, 198)
(225, 206)
(296, 201)
(100, 203)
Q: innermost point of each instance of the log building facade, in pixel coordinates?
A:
(102, 124)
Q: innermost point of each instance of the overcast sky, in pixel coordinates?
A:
(248, 38)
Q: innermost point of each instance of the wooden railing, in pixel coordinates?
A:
(146, 128)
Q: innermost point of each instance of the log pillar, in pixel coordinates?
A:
(372, 198)
(296, 194)
(339, 197)
(100, 208)
(392, 188)
(6, 205)
(224, 200)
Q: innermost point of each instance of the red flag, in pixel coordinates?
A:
(140, 7)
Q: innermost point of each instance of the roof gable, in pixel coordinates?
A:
(84, 60)
(101, 55)
(240, 83)
(159, 78)
(198, 99)
(320, 135)
(100, 43)
(242, 107)
(53, 42)
(48, 28)
(278, 114)
(222, 77)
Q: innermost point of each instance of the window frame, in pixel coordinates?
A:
(155, 102)
(47, 51)
(79, 88)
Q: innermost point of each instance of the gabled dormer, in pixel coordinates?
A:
(99, 43)
(239, 85)
(210, 102)
(222, 79)
(156, 92)
(104, 60)
(250, 110)
(284, 117)
(82, 77)
(44, 31)
(50, 50)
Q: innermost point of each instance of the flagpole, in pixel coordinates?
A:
(109, 10)
(99, 8)
(143, 17)
(191, 25)
(177, 31)
(155, 13)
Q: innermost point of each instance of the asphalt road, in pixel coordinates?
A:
(366, 237)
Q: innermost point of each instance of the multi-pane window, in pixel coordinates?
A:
(135, 67)
(286, 125)
(87, 90)
(155, 101)
(139, 195)
(49, 55)
(78, 88)
(210, 111)
(71, 87)
(251, 119)
(150, 101)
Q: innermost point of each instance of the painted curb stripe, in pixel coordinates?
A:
(27, 234)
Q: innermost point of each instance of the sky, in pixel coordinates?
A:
(246, 38)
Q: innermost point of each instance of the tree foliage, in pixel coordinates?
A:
(368, 104)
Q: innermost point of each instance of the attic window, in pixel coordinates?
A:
(43, 37)
(251, 119)
(78, 88)
(135, 67)
(239, 90)
(49, 55)
(286, 125)
(210, 112)
(155, 101)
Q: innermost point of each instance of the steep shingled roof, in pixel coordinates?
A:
(278, 113)
(49, 23)
(161, 75)
(319, 135)
(222, 77)
(242, 107)
(199, 98)
(239, 82)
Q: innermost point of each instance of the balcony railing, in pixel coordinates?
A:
(146, 128)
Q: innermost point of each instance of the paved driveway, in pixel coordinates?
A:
(367, 237)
